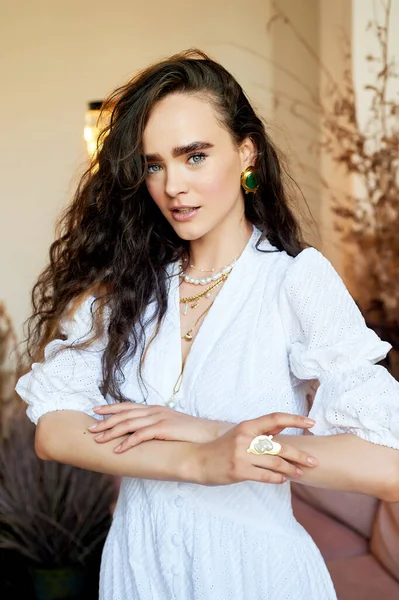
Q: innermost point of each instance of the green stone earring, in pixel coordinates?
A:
(249, 181)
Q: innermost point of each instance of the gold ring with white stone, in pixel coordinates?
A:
(263, 444)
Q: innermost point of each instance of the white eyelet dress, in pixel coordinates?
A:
(277, 323)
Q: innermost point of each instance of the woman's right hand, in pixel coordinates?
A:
(226, 460)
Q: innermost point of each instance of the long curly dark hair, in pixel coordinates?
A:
(114, 242)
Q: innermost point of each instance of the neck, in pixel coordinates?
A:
(221, 246)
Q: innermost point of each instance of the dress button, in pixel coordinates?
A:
(175, 570)
(176, 539)
(178, 501)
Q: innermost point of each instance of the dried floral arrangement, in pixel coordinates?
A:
(368, 217)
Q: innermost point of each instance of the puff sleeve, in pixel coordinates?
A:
(68, 378)
(330, 341)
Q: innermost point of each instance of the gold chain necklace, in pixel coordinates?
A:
(195, 299)
(203, 270)
(172, 402)
(188, 336)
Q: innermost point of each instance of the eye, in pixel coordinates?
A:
(197, 158)
(153, 169)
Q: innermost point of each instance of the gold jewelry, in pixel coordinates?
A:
(188, 336)
(171, 402)
(176, 389)
(249, 180)
(194, 299)
(202, 270)
(212, 270)
(263, 444)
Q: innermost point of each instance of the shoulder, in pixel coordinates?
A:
(311, 267)
(312, 290)
(310, 270)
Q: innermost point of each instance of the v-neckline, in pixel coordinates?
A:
(209, 318)
(163, 361)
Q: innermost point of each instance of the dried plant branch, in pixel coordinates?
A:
(278, 95)
(369, 153)
(280, 15)
(9, 359)
(315, 100)
(53, 514)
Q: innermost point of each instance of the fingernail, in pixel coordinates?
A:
(98, 436)
(118, 448)
(299, 472)
(312, 461)
(310, 421)
(93, 427)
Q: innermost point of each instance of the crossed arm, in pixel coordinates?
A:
(214, 453)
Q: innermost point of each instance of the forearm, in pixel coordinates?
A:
(348, 463)
(63, 436)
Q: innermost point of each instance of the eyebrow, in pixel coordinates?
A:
(181, 150)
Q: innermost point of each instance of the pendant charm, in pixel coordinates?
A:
(185, 309)
(194, 304)
(188, 337)
(171, 402)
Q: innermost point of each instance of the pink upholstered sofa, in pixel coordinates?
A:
(358, 537)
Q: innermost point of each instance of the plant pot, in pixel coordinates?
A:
(63, 583)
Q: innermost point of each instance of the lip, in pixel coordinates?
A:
(183, 206)
(184, 216)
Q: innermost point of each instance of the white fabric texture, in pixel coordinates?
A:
(277, 323)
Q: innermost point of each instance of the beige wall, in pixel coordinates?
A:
(296, 125)
(335, 25)
(297, 75)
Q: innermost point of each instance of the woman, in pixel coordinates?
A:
(175, 332)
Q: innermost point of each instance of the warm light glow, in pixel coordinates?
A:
(95, 122)
(90, 134)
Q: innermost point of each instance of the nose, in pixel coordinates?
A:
(176, 182)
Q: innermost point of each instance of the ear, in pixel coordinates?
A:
(248, 153)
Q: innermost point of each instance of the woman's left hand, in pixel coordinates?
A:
(146, 423)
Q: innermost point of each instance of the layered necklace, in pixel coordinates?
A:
(209, 283)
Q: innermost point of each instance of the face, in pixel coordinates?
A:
(194, 166)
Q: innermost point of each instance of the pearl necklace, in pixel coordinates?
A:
(207, 280)
(194, 300)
